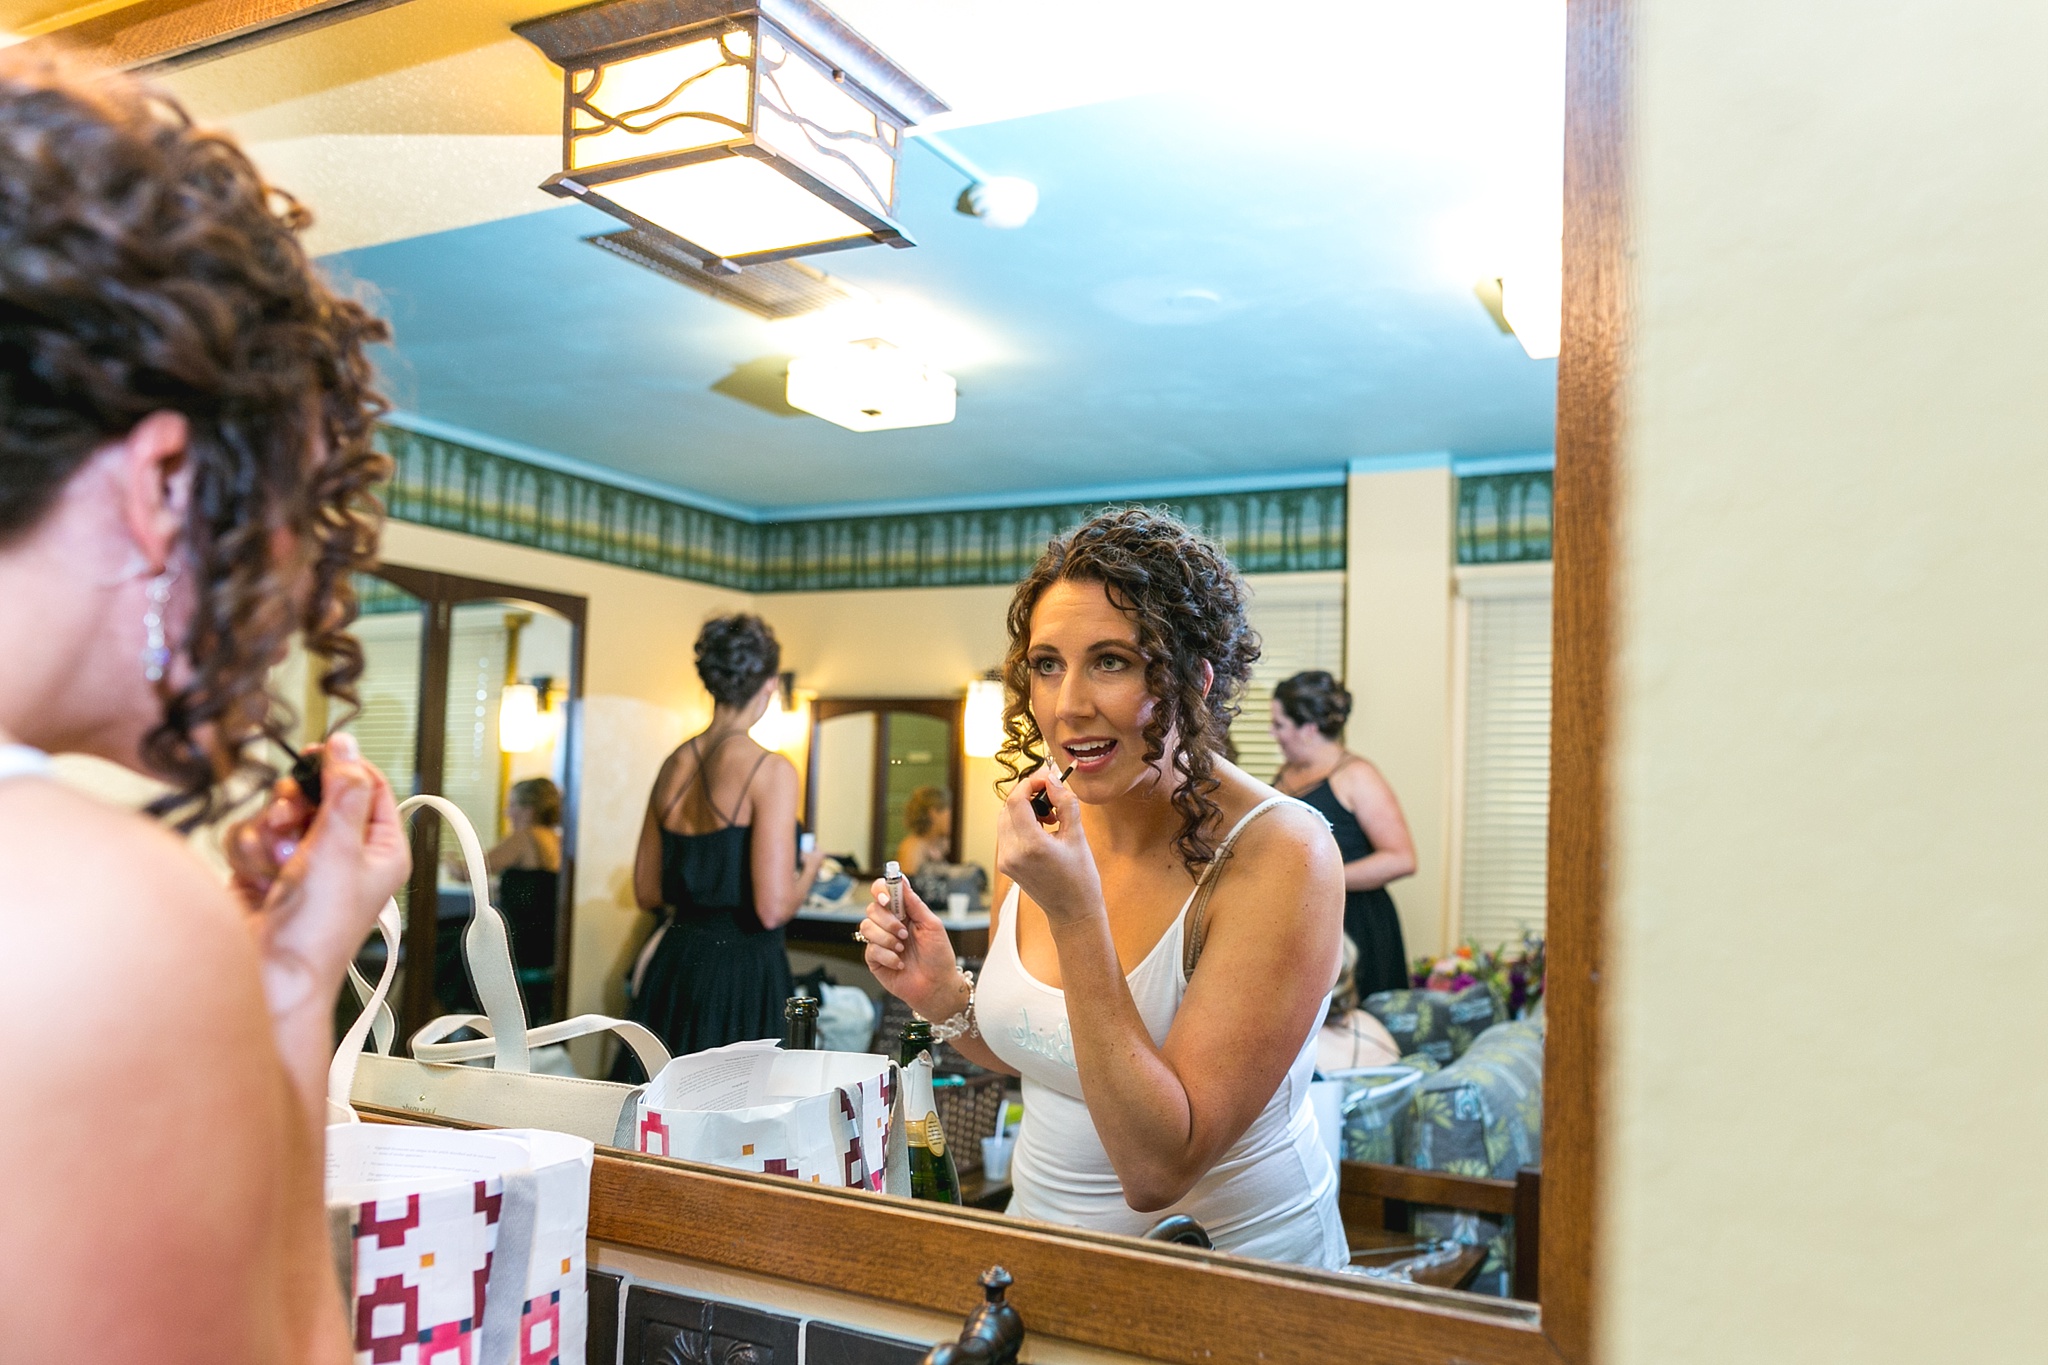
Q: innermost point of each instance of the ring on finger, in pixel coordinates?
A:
(860, 938)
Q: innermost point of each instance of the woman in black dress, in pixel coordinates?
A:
(718, 861)
(1309, 711)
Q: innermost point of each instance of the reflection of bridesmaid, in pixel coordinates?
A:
(718, 860)
(1309, 711)
(528, 865)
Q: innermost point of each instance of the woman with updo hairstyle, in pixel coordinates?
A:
(1164, 941)
(718, 861)
(1309, 711)
(185, 476)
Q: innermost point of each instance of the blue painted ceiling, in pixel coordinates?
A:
(1200, 296)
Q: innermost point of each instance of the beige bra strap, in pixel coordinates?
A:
(1191, 941)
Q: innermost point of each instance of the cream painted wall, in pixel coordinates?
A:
(1397, 647)
(1829, 863)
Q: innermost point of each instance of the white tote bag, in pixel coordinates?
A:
(508, 1092)
(825, 1118)
(454, 1245)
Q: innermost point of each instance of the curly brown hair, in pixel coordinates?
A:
(1188, 604)
(145, 266)
(736, 654)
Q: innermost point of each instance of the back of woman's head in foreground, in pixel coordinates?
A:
(1187, 604)
(145, 267)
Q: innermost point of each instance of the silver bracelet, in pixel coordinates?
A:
(960, 1025)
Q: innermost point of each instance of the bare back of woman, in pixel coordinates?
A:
(173, 374)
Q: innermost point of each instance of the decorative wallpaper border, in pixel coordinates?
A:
(454, 487)
(1504, 518)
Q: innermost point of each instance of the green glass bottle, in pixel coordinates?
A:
(932, 1173)
(800, 1023)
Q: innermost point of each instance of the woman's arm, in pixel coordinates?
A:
(1167, 1113)
(316, 880)
(647, 858)
(915, 963)
(780, 887)
(505, 853)
(1360, 789)
(161, 1143)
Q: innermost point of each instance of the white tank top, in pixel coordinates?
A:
(19, 760)
(1272, 1195)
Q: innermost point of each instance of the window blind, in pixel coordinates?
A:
(1505, 792)
(477, 641)
(387, 727)
(1300, 621)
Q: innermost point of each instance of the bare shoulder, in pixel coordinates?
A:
(1359, 779)
(87, 885)
(1287, 833)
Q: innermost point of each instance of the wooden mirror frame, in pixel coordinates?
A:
(1164, 1302)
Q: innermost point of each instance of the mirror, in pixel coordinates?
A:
(469, 691)
(1445, 664)
(868, 758)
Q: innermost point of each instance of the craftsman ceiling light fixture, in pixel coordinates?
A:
(744, 130)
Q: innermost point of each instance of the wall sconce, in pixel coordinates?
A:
(745, 130)
(787, 720)
(527, 718)
(519, 722)
(981, 727)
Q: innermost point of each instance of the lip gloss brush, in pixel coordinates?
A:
(1041, 804)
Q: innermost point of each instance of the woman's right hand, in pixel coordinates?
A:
(914, 961)
(323, 901)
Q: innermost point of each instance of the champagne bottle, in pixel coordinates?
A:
(932, 1173)
(800, 1023)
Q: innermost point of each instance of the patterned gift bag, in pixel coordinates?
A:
(824, 1118)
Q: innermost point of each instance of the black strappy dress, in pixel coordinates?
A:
(716, 976)
(1369, 916)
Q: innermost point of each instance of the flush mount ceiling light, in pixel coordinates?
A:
(870, 385)
(745, 130)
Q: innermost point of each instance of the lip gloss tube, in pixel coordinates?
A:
(1041, 804)
(892, 876)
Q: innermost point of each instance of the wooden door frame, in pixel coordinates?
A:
(440, 593)
(953, 712)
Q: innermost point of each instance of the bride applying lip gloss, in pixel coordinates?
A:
(1163, 947)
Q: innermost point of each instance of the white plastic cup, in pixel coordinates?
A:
(995, 1157)
(957, 903)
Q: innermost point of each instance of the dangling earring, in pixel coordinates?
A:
(156, 652)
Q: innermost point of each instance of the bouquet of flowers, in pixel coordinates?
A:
(1513, 972)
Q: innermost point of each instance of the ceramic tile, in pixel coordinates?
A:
(678, 1329)
(829, 1344)
(603, 1342)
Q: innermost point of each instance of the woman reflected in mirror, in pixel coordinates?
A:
(718, 862)
(928, 816)
(1163, 943)
(1309, 711)
(185, 486)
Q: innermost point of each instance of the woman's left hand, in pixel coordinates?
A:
(1053, 866)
